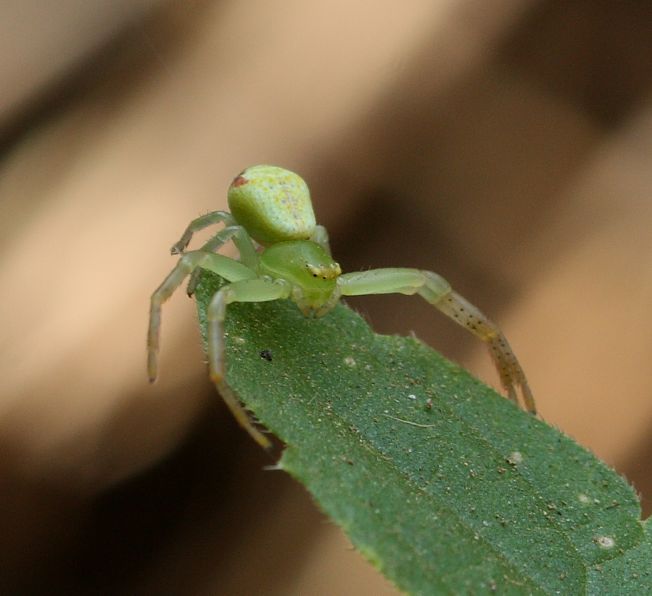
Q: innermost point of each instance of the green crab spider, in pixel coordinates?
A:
(284, 254)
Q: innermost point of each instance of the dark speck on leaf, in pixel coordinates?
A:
(266, 355)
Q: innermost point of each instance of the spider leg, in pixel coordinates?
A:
(438, 292)
(199, 224)
(250, 290)
(230, 269)
(320, 236)
(242, 241)
(240, 236)
(511, 374)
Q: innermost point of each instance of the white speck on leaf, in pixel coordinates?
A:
(605, 541)
(515, 458)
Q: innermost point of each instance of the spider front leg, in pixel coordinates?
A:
(230, 269)
(438, 292)
(214, 244)
(509, 369)
(199, 224)
(250, 290)
(240, 236)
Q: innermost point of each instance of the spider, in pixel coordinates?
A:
(284, 254)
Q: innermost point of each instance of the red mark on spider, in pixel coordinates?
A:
(239, 181)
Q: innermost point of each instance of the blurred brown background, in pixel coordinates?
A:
(506, 145)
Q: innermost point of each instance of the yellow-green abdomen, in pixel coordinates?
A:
(272, 204)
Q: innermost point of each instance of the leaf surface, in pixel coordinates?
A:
(444, 485)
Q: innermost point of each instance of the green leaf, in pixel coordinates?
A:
(444, 485)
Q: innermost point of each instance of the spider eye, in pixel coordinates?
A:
(325, 272)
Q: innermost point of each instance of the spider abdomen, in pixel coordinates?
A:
(272, 204)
